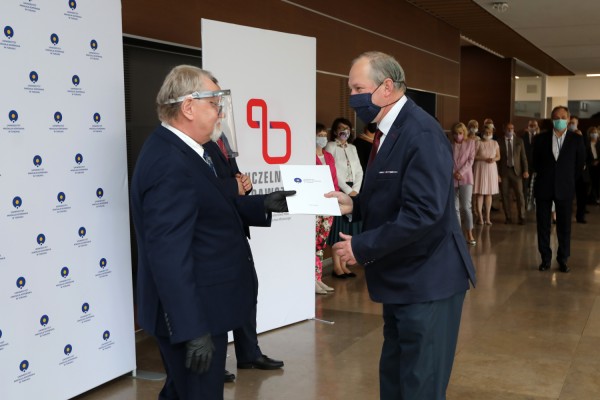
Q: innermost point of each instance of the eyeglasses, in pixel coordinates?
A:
(204, 96)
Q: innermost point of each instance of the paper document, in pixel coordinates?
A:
(310, 182)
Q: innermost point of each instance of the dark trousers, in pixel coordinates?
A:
(514, 181)
(245, 340)
(181, 383)
(595, 183)
(418, 348)
(581, 194)
(543, 214)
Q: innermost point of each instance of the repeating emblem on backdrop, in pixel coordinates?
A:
(13, 125)
(69, 357)
(103, 272)
(75, 89)
(80, 167)
(62, 206)
(9, 41)
(54, 49)
(34, 87)
(37, 171)
(72, 13)
(65, 280)
(86, 315)
(100, 202)
(82, 241)
(94, 54)
(96, 125)
(58, 126)
(42, 248)
(18, 211)
(46, 329)
(22, 291)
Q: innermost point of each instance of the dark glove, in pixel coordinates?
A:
(275, 202)
(199, 354)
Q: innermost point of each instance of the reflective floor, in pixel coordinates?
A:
(525, 334)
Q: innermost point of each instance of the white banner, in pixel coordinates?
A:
(66, 312)
(272, 77)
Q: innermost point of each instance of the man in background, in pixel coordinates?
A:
(512, 169)
(558, 160)
(247, 351)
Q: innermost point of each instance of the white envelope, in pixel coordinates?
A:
(310, 182)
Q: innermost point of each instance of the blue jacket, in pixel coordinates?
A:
(195, 270)
(411, 246)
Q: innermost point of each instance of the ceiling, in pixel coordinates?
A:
(554, 37)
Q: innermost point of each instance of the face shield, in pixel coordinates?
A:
(224, 128)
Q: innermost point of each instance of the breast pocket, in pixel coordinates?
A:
(386, 175)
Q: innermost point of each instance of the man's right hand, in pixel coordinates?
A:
(199, 354)
(344, 201)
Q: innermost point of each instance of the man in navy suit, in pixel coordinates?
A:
(558, 161)
(196, 277)
(247, 350)
(414, 253)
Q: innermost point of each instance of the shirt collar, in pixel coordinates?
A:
(386, 123)
(186, 139)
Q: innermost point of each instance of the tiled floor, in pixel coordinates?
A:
(525, 334)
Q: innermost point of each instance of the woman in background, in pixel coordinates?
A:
(323, 223)
(486, 173)
(350, 177)
(463, 151)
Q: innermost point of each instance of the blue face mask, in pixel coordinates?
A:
(364, 107)
(559, 124)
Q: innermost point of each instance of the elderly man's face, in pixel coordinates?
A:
(204, 114)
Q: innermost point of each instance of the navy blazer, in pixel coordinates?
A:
(195, 270)
(555, 179)
(411, 246)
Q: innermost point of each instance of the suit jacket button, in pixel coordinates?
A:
(249, 258)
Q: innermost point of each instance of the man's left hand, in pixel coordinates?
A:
(344, 249)
(525, 175)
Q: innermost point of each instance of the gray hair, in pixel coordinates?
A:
(384, 66)
(180, 81)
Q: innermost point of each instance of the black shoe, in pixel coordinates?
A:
(508, 221)
(350, 275)
(562, 267)
(262, 362)
(544, 266)
(229, 377)
(339, 276)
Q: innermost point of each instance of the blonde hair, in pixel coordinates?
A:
(180, 81)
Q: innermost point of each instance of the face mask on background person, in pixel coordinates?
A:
(321, 141)
(559, 124)
(594, 135)
(473, 131)
(509, 134)
(572, 127)
(343, 135)
(533, 131)
(458, 137)
(488, 137)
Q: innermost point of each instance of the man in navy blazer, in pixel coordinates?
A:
(196, 278)
(558, 160)
(247, 350)
(414, 253)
